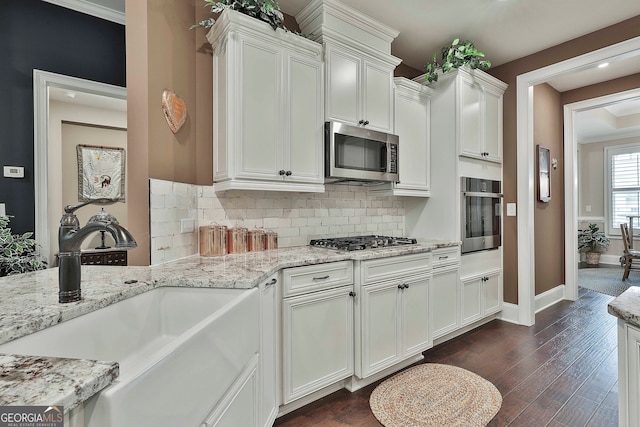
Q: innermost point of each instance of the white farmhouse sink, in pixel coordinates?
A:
(179, 349)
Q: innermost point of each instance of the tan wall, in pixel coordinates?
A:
(549, 216)
(508, 73)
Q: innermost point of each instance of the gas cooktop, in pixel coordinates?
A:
(356, 243)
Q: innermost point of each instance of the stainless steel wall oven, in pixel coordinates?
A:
(481, 207)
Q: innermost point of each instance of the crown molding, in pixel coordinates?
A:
(92, 9)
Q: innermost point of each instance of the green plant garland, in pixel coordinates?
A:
(264, 10)
(456, 55)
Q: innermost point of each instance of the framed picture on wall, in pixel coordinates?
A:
(101, 173)
(544, 175)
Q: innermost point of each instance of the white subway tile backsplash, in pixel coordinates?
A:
(297, 217)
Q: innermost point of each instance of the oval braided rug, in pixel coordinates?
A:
(431, 394)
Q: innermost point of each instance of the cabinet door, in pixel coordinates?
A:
(492, 293)
(472, 292)
(377, 96)
(268, 372)
(303, 151)
(411, 124)
(444, 300)
(470, 115)
(380, 322)
(630, 395)
(415, 316)
(259, 154)
(493, 125)
(317, 341)
(343, 86)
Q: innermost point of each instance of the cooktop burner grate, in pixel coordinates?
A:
(356, 243)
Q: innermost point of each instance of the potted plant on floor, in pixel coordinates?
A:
(592, 241)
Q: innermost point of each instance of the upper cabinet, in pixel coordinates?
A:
(359, 89)
(358, 64)
(477, 120)
(268, 107)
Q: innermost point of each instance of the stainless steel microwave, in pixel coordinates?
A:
(355, 153)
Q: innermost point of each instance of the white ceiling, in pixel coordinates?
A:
(611, 122)
(87, 99)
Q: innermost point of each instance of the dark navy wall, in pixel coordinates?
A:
(38, 35)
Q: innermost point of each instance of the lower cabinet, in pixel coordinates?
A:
(445, 298)
(394, 322)
(628, 374)
(317, 335)
(481, 296)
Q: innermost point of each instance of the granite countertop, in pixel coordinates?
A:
(627, 306)
(30, 303)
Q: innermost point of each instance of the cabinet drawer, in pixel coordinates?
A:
(389, 268)
(300, 280)
(445, 256)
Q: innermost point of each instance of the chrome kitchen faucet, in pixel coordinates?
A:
(70, 238)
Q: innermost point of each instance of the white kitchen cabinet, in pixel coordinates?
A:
(393, 307)
(359, 88)
(411, 123)
(317, 332)
(472, 104)
(480, 115)
(446, 291)
(269, 372)
(445, 300)
(268, 107)
(395, 322)
(628, 374)
(481, 296)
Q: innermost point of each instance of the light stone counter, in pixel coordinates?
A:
(29, 303)
(627, 306)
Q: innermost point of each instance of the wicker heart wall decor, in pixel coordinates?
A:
(174, 109)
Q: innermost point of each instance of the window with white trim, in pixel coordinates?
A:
(622, 174)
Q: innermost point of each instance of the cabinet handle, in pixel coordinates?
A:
(361, 122)
(406, 286)
(288, 173)
(281, 172)
(271, 282)
(443, 257)
(321, 277)
(366, 122)
(401, 286)
(352, 294)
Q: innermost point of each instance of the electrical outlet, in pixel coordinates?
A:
(587, 208)
(511, 209)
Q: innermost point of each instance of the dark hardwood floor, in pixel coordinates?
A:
(560, 372)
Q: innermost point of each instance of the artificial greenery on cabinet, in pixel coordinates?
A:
(457, 54)
(18, 252)
(264, 10)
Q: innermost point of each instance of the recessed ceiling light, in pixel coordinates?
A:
(603, 65)
(70, 95)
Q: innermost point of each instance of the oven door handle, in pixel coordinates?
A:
(480, 194)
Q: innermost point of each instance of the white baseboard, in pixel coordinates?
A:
(509, 313)
(610, 260)
(548, 298)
